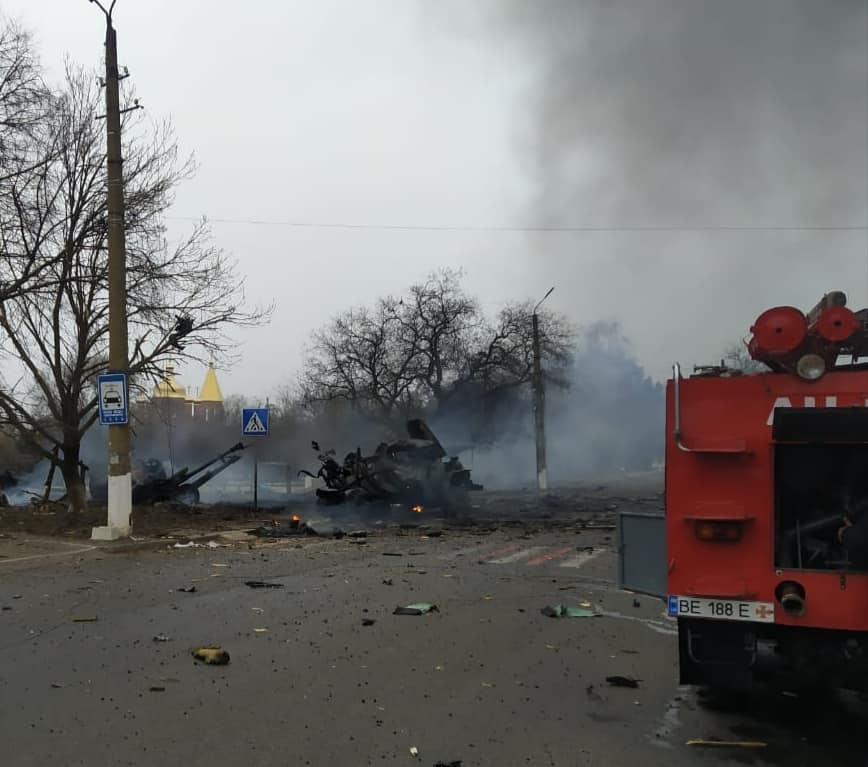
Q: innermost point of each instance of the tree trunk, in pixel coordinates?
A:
(76, 496)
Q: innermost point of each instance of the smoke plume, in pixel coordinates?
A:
(688, 114)
(674, 112)
(609, 420)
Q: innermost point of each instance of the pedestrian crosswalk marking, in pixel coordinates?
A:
(550, 555)
(517, 556)
(255, 425)
(501, 552)
(529, 556)
(581, 559)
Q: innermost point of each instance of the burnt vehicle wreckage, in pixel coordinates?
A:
(7, 482)
(151, 483)
(415, 472)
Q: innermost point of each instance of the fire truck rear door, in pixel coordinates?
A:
(642, 552)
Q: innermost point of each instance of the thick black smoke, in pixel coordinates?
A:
(688, 114)
(685, 112)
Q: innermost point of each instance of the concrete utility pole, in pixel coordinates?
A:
(539, 402)
(120, 504)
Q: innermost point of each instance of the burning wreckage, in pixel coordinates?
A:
(414, 472)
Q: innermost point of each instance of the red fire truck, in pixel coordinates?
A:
(765, 530)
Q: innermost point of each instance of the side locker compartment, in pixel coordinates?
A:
(642, 563)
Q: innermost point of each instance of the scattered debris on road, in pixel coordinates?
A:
(56, 686)
(563, 611)
(414, 751)
(156, 688)
(714, 742)
(623, 681)
(388, 582)
(368, 621)
(263, 585)
(392, 554)
(85, 619)
(457, 763)
(162, 638)
(417, 609)
(211, 656)
(260, 631)
(188, 589)
(292, 530)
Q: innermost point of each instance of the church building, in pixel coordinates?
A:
(181, 403)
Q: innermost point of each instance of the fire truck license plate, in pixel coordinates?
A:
(721, 609)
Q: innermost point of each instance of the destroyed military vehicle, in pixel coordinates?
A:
(414, 472)
(7, 481)
(151, 483)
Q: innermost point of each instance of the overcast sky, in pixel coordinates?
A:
(509, 114)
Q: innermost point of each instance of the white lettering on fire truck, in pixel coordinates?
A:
(829, 401)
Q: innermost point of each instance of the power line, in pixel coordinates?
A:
(517, 229)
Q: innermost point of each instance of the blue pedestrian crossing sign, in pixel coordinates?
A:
(254, 421)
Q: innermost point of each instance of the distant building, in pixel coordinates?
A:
(209, 404)
(170, 399)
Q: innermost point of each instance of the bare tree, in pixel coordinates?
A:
(437, 327)
(504, 351)
(360, 357)
(181, 296)
(25, 150)
(24, 97)
(424, 350)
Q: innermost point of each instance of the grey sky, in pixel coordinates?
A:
(513, 113)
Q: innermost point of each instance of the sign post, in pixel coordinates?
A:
(254, 423)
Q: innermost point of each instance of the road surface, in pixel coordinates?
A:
(485, 680)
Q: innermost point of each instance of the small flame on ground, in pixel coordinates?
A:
(296, 518)
(418, 509)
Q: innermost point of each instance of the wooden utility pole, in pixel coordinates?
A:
(539, 402)
(119, 472)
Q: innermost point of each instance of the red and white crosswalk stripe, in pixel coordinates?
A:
(550, 556)
(504, 551)
(517, 556)
(531, 556)
(581, 558)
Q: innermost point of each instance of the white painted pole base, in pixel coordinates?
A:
(120, 510)
(542, 479)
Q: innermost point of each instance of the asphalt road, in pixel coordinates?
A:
(485, 680)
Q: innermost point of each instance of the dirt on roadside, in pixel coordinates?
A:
(587, 501)
(148, 521)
